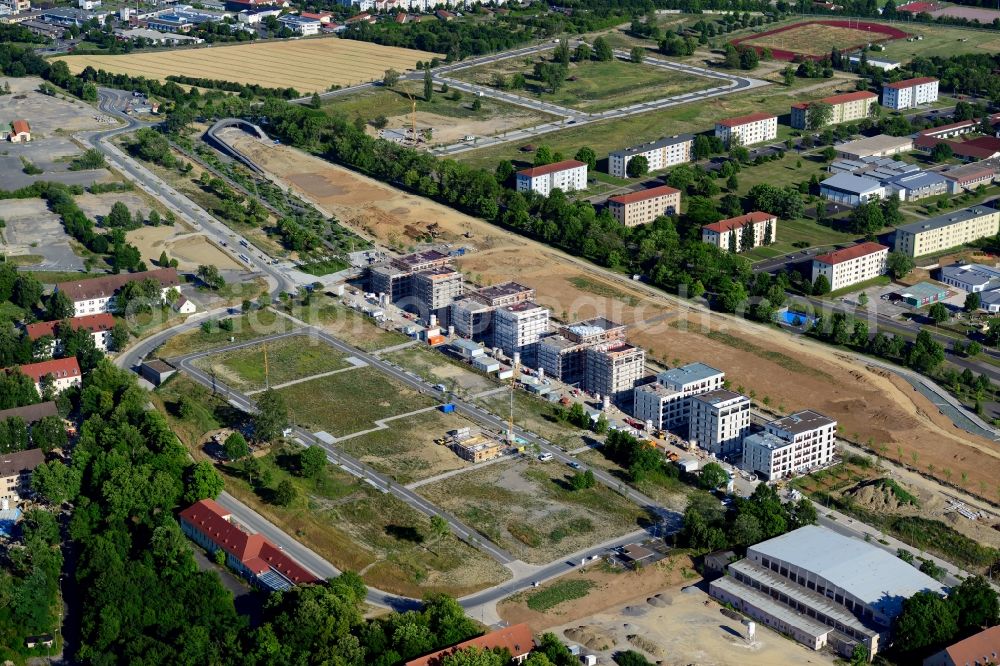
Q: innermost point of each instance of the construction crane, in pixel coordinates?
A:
(413, 118)
(513, 384)
(267, 383)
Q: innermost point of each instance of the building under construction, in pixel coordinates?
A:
(612, 369)
(518, 328)
(476, 447)
(473, 315)
(423, 283)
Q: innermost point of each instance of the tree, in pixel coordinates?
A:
(285, 493)
(60, 307)
(154, 218)
(926, 354)
(637, 54)
(582, 480)
(555, 650)
(439, 527)
(899, 265)
(119, 336)
(931, 569)
(818, 115)
(631, 658)
(312, 462)
(56, 482)
(637, 166)
(926, 619)
(119, 217)
(942, 152)
(235, 447)
(972, 302)
(788, 76)
(732, 57)
(821, 285)
(749, 58)
(543, 156)
(603, 52)
(49, 433)
(860, 655)
(27, 291)
(210, 277)
(867, 218)
(746, 530)
(203, 482)
(938, 313)
(390, 78)
(587, 155)
(271, 417)
(428, 84)
(976, 604)
(504, 172)
(561, 53)
(583, 52)
(713, 476)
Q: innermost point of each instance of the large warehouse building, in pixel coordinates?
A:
(822, 588)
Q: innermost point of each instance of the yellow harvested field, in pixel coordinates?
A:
(308, 65)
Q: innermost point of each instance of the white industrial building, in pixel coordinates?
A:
(850, 190)
(972, 278)
(791, 445)
(909, 93)
(719, 421)
(568, 176)
(851, 265)
(666, 403)
(823, 588)
(665, 152)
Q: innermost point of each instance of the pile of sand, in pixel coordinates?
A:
(634, 611)
(873, 496)
(591, 637)
(645, 645)
(660, 600)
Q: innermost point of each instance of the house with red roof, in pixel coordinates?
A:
(212, 527)
(976, 650)
(568, 176)
(851, 265)
(644, 206)
(747, 130)
(907, 94)
(98, 325)
(517, 640)
(727, 235)
(20, 131)
(846, 108)
(58, 374)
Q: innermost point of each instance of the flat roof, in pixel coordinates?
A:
(875, 144)
(876, 577)
(850, 183)
(719, 395)
(849, 253)
(653, 145)
(779, 611)
(523, 306)
(800, 422)
(503, 289)
(975, 274)
(922, 290)
(941, 221)
(768, 440)
(422, 257)
(688, 374)
(642, 195)
(593, 326)
(912, 181)
(974, 171)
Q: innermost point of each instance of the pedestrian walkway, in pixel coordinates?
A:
(394, 348)
(357, 363)
(380, 424)
(456, 472)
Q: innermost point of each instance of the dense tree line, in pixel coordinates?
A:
(930, 622)
(244, 89)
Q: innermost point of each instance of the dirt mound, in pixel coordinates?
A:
(660, 600)
(875, 497)
(634, 611)
(591, 637)
(645, 644)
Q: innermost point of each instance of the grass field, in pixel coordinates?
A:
(435, 367)
(349, 402)
(307, 65)
(250, 326)
(557, 593)
(811, 39)
(595, 86)
(940, 41)
(346, 324)
(287, 359)
(406, 450)
(528, 508)
(535, 414)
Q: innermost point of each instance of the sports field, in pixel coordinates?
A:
(817, 38)
(307, 65)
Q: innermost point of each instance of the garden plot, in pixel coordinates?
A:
(528, 508)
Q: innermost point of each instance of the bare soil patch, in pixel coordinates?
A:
(190, 250)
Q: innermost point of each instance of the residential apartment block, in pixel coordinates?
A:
(909, 93)
(719, 421)
(660, 154)
(947, 231)
(645, 206)
(98, 325)
(568, 176)
(612, 370)
(846, 108)
(15, 473)
(96, 295)
(851, 265)
(59, 374)
(472, 315)
(727, 235)
(791, 445)
(747, 130)
(564, 355)
(518, 328)
(666, 403)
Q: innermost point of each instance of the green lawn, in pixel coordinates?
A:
(939, 41)
(349, 402)
(436, 367)
(287, 359)
(256, 324)
(557, 593)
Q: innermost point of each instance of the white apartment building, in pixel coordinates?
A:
(15, 473)
(747, 130)
(660, 154)
(643, 207)
(15, 6)
(728, 234)
(947, 231)
(517, 329)
(666, 403)
(97, 295)
(60, 374)
(791, 445)
(719, 421)
(568, 176)
(910, 93)
(851, 265)
(98, 325)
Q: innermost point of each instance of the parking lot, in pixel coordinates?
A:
(33, 230)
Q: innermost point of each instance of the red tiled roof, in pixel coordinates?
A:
(20, 126)
(642, 195)
(59, 368)
(743, 120)
(255, 552)
(739, 222)
(106, 286)
(979, 648)
(92, 323)
(517, 639)
(931, 131)
(550, 168)
(840, 99)
(909, 83)
(848, 253)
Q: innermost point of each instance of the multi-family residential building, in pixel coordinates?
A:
(665, 152)
(517, 329)
(98, 325)
(910, 93)
(747, 130)
(420, 282)
(97, 295)
(851, 265)
(644, 206)
(845, 108)
(727, 235)
(611, 370)
(791, 445)
(666, 403)
(15, 473)
(16, 6)
(947, 231)
(472, 315)
(822, 588)
(851, 190)
(564, 354)
(568, 176)
(434, 291)
(58, 375)
(719, 421)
